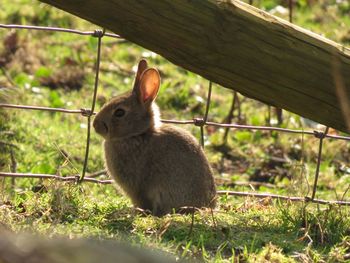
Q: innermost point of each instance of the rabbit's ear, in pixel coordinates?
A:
(140, 69)
(149, 85)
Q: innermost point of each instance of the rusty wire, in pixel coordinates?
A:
(76, 178)
(201, 122)
(83, 112)
(58, 29)
(71, 178)
(321, 136)
(99, 34)
(283, 197)
(198, 121)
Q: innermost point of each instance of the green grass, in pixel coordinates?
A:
(57, 70)
(245, 229)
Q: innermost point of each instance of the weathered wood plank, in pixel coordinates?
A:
(235, 45)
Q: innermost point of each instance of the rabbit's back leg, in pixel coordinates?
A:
(158, 202)
(143, 201)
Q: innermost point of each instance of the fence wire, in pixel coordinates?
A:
(200, 122)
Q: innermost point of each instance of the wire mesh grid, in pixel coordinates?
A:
(200, 122)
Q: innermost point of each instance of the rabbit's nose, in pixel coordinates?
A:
(100, 127)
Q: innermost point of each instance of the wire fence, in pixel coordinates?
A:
(200, 122)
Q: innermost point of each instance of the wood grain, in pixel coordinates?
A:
(237, 46)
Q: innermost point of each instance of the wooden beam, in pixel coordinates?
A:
(237, 46)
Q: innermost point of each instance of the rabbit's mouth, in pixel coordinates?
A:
(105, 127)
(100, 127)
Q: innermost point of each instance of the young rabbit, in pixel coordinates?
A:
(160, 167)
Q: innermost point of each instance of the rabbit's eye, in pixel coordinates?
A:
(119, 113)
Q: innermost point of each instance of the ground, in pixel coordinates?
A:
(57, 70)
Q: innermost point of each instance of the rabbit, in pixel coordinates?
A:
(160, 167)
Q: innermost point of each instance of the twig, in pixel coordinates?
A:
(8, 77)
(213, 217)
(290, 7)
(346, 191)
(346, 256)
(9, 144)
(249, 184)
(13, 167)
(9, 133)
(192, 222)
(98, 173)
(66, 159)
(116, 69)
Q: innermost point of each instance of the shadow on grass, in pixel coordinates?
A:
(236, 234)
(232, 234)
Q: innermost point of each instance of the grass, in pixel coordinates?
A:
(57, 70)
(244, 229)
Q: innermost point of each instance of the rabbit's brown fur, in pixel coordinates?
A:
(160, 167)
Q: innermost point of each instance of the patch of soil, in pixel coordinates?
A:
(274, 168)
(18, 55)
(11, 45)
(229, 163)
(70, 77)
(21, 56)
